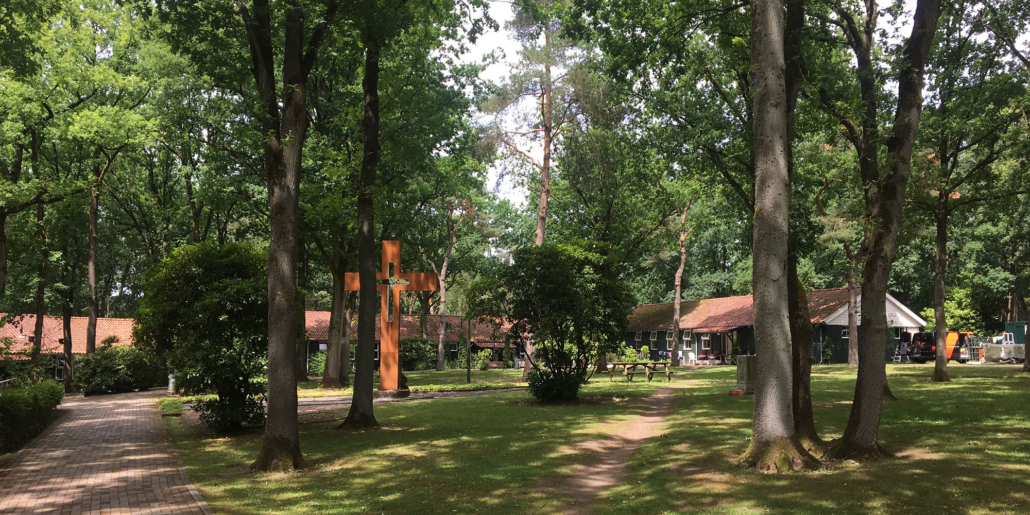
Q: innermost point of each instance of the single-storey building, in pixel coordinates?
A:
(482, 334)
(725, 326)
(20, 332)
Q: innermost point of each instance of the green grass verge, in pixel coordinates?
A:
(964, 448)
(170, 404)
(425, 381)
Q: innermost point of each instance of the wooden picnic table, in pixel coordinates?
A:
(630, 368)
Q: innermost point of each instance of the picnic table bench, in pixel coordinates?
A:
(631, 368)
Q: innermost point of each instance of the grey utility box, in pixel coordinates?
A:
(746, 367)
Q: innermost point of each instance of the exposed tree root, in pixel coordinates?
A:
(887, 394)
(358, 420)
(778, 455)
(278, 455)
(814, 445)
(841, 450)
(940, 376)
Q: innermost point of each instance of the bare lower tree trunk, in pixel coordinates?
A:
(801, 332)
(888, 395)
(774, 443)
(527, 366)
(40, 300)
(345, 352)
(423, 313)
(440, 350)
(940, 365)
(301, 358)
(91, 270)
(334, 349)
(852, 315)
(66, 315)
(3, 252)
(679, 288)
(361, 414)
(280, 448)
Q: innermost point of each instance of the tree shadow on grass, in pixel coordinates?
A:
(491, 453)
(962, 449)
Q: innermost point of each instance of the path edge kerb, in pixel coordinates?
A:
(156, 411)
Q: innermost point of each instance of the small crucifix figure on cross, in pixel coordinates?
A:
(391, 282)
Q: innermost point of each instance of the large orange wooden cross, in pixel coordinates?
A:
(391, 282)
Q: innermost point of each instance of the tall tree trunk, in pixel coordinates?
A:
(40, 301)
(884, 200)
(345, 352)
(774, 443)
(940, 365)
(284, 144)
(361, 414)
(3, 252)
(679, 288)
(801, 332)
(334, 349)
(423, 314)
(195, 210)
(301, 368)
(852, 312)
(545, 178)
(91, 267)
(440, 350)
(545, 169)
(66, 316)
(452, 228)
(11, 174)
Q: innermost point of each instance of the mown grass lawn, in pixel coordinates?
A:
(964, 447)
(423, 380)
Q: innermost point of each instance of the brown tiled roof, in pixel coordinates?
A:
(317, 323)
(726, 313)
(822, 303)
(53, 331)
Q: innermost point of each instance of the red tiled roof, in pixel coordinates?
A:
(726, 313)
(21, 327)
(317, 323)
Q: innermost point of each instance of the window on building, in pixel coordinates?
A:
(377, 351)
(897, 333)
(844, 333)
(706, 342)
(668, 344)
(654, 336)
(638, 337)
(454, 347)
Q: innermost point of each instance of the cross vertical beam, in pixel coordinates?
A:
(391, 282)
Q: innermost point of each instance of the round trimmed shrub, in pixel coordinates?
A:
(118, 370)
(548, 386)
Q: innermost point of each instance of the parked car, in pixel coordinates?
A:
(924, 346)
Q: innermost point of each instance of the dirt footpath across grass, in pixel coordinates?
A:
(963, 447)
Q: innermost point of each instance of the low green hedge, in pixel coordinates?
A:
(25, 412)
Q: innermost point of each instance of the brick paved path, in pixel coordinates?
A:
(106, 454)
